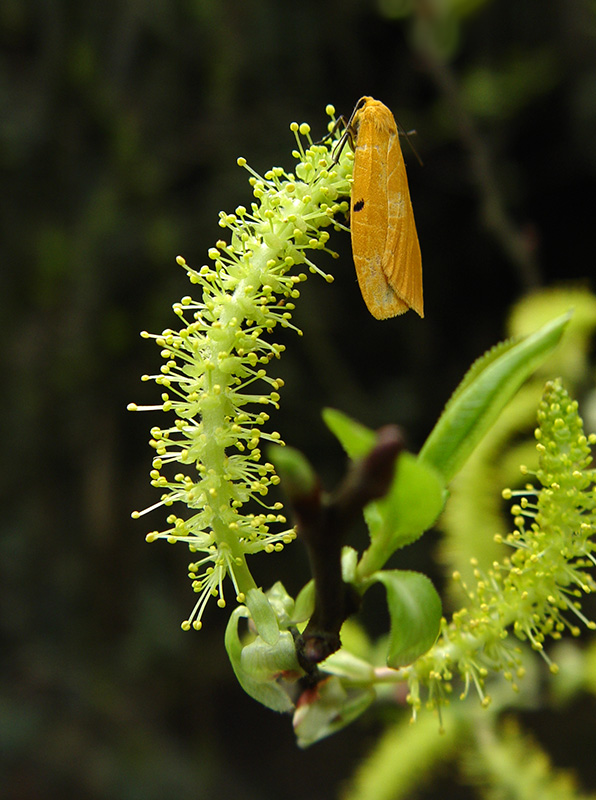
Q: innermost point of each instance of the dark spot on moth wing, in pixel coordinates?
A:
(358, 205)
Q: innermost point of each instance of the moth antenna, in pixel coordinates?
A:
(407, 135)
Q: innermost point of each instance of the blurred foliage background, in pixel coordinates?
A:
(120, 125)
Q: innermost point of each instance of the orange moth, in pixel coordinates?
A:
(384, 240)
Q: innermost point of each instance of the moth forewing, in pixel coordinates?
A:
(384, 240)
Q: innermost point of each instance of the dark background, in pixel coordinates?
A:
(120, 125)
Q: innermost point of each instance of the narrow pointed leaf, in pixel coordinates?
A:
(263, 616)
(486, 389)
(356, 439)
(305, 603)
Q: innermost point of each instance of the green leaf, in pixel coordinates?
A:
(356, 439)
(282, 604)
(297, 475)
(265, 663)
(256, 668)
(415, 611)
(351, 668)
(485, 390)
(263, 616)
(349, 563)
(305, 603)
(413, 503)
(330, 709)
